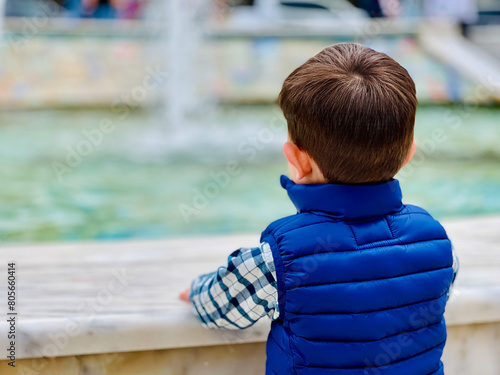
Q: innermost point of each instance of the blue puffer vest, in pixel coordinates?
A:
(362, 283)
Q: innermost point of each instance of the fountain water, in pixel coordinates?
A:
(181, 119)
(184, 40)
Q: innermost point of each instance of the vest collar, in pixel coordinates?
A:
(346, 201)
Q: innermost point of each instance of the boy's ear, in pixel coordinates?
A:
(411, 153)
(298, 158)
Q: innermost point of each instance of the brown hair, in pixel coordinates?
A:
(352, 109)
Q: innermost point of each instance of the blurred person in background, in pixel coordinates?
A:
(381, 8)
(123, 9)
(372, 7)
(464, 12)
(95, 9)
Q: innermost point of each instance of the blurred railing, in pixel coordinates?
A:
(70, 62)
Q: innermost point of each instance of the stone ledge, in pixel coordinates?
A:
(125, 293)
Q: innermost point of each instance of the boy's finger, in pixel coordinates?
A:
(184, 295)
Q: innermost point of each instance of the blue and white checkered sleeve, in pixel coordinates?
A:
(238, 294)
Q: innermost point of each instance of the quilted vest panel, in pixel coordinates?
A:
(362, 283)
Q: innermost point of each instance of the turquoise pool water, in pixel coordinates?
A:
(139, 180)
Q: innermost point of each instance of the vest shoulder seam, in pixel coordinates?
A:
(354, 235)
(367, 247)
(291, 218)
(390, 227)
(304, 226)
(279, 223)
(412, 213)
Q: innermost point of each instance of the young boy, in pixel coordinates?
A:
(356, 282)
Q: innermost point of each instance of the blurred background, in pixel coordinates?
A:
(138, 119)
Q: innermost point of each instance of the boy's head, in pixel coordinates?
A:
(352, 111)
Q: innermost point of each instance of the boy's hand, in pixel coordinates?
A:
(185, 296)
